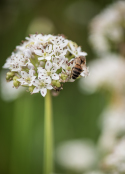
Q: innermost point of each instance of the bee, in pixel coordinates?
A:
(78, 64)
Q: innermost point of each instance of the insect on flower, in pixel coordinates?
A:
(79, 63)
(44, 62)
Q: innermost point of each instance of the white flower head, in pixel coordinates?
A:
(95, 172)
(107, 29)
(112, 123)
(103, 74)
(76, 155)
(115, 161)
(43, 62)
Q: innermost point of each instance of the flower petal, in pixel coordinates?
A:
(41, 76)
(31, 72)
(54, 68)
(55, 76)
(40, 58)
(49, 87)
(42, 73)
(48, 57)
(82, 74)
(48, 65)
(30, 65)
(24, 74)
(27, 53)
(33, 78)
(36, 90)
(35, 82)
(43, 91)
(82, 53)
(49, 49)
(38, 52)
(40, 69)
(47, 80)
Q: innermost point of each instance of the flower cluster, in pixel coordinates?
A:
(43, 62)
(112, 124)
(115, 161)
(107, 29)
(107, 73)
(95, 172)
(77, 155)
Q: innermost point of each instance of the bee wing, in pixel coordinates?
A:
(85, 71)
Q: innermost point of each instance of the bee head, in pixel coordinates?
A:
(83, 59)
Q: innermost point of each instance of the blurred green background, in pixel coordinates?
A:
(75, 115)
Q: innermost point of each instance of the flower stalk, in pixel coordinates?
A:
(48, 136)
(43, 63)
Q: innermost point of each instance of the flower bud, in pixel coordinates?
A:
(16, 83)
(9, 75)
(58, 84)
(64, 76)
(15, 78)
(68, 68)
(54, 82)
(31, 88)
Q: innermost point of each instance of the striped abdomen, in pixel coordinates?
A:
(76, 71)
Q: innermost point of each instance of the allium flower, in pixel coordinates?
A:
(106, 73)
(107, 29)
(112, 124)
(95, 172)
(43, 62)
(115, 162)
(77, 155)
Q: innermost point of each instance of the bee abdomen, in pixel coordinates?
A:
(78, 69)
(76, 72)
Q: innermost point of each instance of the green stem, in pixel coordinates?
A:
(48, 136)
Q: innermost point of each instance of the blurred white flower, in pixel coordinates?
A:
(114, 119)
(7, 92)
(116, 160)
(107, 28)
(76, 155)
(94, 172)
(41, 63)
(107, 73)
(106, 142)
(113, 125)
